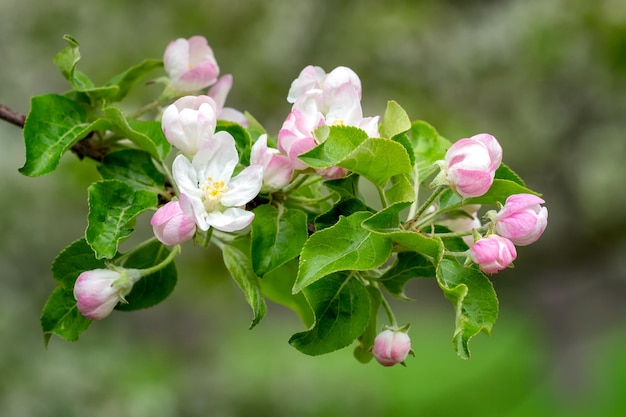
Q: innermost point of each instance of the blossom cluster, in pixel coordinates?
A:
(469, 168)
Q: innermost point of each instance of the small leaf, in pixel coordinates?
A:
(341, 307)
(341, 141)
(154, 288)
(144, 134)
(344, 246)
(278, 235)
(113, 205)
(347, 187)
(134, 167)
(240, 267)
(395, 120)
(401, 190)
(124, 81)
(474, 300)
(505, 173)
(408, 266)
(68, 57)
(343, 208)
(60, 316)
(53, 126)
(378, 159)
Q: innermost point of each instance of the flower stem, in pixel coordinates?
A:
(173, 253)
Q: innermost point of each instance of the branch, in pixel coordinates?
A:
(12, 116)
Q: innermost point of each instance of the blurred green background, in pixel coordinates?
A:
(546, 77)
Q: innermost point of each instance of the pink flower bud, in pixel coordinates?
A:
(522, 220)
(189, 122)
(98, 291)
(190, 64)
(493, 253)
(471, 163)
(277, 170)
(391, 347)
(171, 226)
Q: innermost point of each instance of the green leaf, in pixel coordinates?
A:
(66, 61)
(145, 134)
(499, 191)
(474, 300)
(113, 205)
(347, 187)
(53, 126)
(60, 316)
(72, 261)
(408, 266)
(344, 246)
(154, 288)
(378, 159)
(134, 167)
(363, 352)
(505, 173)
(341, 141)
(278, 235)
(124, 81)
(395, 120)
(243, 141)
(240, 267)
(277, 285)
(341, 307)
(428, 147)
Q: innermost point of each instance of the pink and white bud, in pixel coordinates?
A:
(97, 292)
(277, 170)
(522, 220)
(391, 347)
(493, 253)
(190, 64)
(470, 164)
(190, 122)
(171, 226)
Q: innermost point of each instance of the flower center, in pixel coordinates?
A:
(213, 192)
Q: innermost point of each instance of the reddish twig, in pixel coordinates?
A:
(12, 116)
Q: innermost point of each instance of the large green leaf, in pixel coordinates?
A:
(341, 307)
(428, 147)
(113, 206)
(240, 267)
(341, 141)
(134, 167)
(363, 352)
(499, 191)
(474, 301)
(344, 246)
(277, 285)
(53, 126)
(278, 235)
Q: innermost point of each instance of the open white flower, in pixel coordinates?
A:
(208, 191)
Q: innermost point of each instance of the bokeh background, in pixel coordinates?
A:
(546, 77)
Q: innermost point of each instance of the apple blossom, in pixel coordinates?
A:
(98, 291)
(189, 122)
(171, 226)
(208, 193)
(470, 164)
(391, 347)
(493, 253)
(190, 64)
(277, 170)
(522, 220)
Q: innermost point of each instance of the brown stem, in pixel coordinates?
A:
(12, 116)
